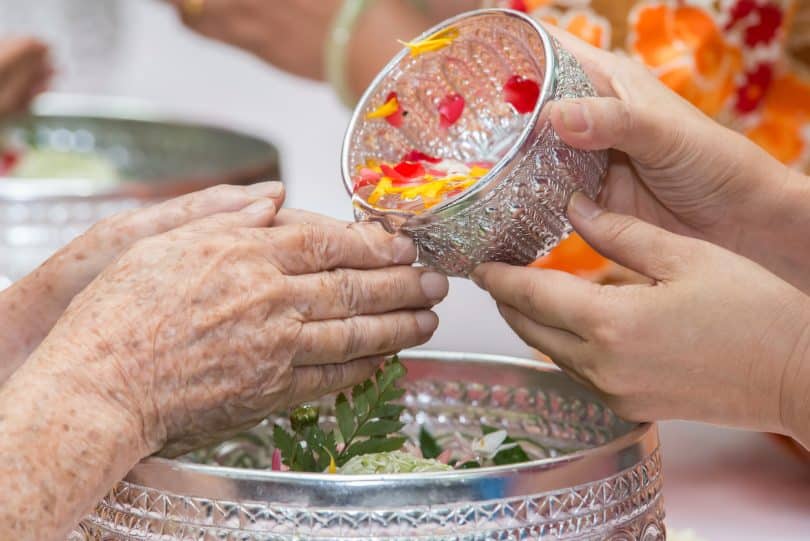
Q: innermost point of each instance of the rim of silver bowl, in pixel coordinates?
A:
(582, 467)
(123, 115)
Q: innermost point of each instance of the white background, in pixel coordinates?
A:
(723, 484)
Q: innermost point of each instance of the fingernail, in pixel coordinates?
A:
(404, 251)
(266, 189)
(584, 206)
(427, 322)
(434, 285)
(575, 116)
(262, 206)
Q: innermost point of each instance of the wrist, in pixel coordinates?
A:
(86, 367)
(374, 43)
(772, 223)
(795, 392)
(57, 435)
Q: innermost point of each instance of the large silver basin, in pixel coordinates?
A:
(596, 477)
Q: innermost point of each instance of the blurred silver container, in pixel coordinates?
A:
(516, 213)
(156, 158)
(593, 477)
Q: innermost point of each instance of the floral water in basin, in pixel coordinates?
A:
(590, 475)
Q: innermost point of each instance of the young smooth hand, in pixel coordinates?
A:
(711, 336)
(674, 167)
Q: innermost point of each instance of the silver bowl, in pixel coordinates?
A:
(157, 158)
(594, 476)
(516, 213)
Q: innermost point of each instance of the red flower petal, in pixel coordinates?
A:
(367, 177)
(450, 109)
(751, 94)
(519, 5)
(417, 156)
(770, 19)
(521, 93)
(484, 165)
(393, 174)
(410, 169)
(741, 10)
(396, 118)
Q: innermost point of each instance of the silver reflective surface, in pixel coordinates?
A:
(595, 476)
(516, 213)
(156, 158)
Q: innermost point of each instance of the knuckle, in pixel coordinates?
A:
(353, 338)
(607, 334)
(350, 292)
(618, 227)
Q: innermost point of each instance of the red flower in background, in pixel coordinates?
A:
(450, 109)
(751, 94)
(762, 21)
(8, 159)
(519, 5)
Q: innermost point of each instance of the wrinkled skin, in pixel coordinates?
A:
(25, 70)
(270, 318)
(34, 303)
(706, 334)
(192, 335)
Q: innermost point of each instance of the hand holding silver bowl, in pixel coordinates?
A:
(516, 212)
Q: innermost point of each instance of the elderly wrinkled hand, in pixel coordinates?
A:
(33, 304)
(244, 320)
(25, 70)
(711, 336)
(193, 335)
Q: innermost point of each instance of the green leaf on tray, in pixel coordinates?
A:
(369, 424)
(507, 456)
(428, 444)
(372, 445)
(381, 427)
(345, 416)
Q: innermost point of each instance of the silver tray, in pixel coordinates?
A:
(594, 477)
(157, 158)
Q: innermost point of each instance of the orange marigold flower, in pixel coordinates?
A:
(589, 27)
(575, 256)
(785, 121)
(687, 50)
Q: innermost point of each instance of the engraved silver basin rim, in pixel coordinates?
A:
(601, 478)
(516, 212)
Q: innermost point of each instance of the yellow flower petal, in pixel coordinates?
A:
(332, 465)
(478, 171)
(437, 41)
(385, 110)
(383, 187)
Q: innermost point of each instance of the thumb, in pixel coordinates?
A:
(630, 242)
(642, 132)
